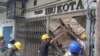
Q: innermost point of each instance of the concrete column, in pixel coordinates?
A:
(97, 38)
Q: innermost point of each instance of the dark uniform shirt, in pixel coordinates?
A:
(44, 48)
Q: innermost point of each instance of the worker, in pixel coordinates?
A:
(82, 42)
(11, 48)
(83, 36)
(43, 50)
(74, 48)
(11, 43)
(16, 46)
(1, 41)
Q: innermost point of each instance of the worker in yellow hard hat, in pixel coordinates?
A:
(83, 36)
(18, 45)
(82, 43)
(45, 36)
(1, 41)
(45, 43)
(15, 46)
(1, 35)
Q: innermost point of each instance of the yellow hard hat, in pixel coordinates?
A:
(83, 36)
(45, 36)
(1, 35)
(18, 45)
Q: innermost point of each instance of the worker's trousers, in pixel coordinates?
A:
(11, 52)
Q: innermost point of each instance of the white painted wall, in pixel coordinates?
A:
(30, 3)
(4, 22)
(3, 0)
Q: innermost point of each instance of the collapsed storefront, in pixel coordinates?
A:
(59, 21)
(62, 26)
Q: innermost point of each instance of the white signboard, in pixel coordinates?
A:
(63, 7)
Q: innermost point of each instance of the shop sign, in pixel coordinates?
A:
(38, 12)
(65, 7)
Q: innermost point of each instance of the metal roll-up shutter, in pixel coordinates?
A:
(30, 31)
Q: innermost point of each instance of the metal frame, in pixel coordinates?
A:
(90, 23)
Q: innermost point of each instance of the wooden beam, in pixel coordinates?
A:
(68, 29)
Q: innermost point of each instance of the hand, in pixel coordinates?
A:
(51, 41)
(38, 51)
